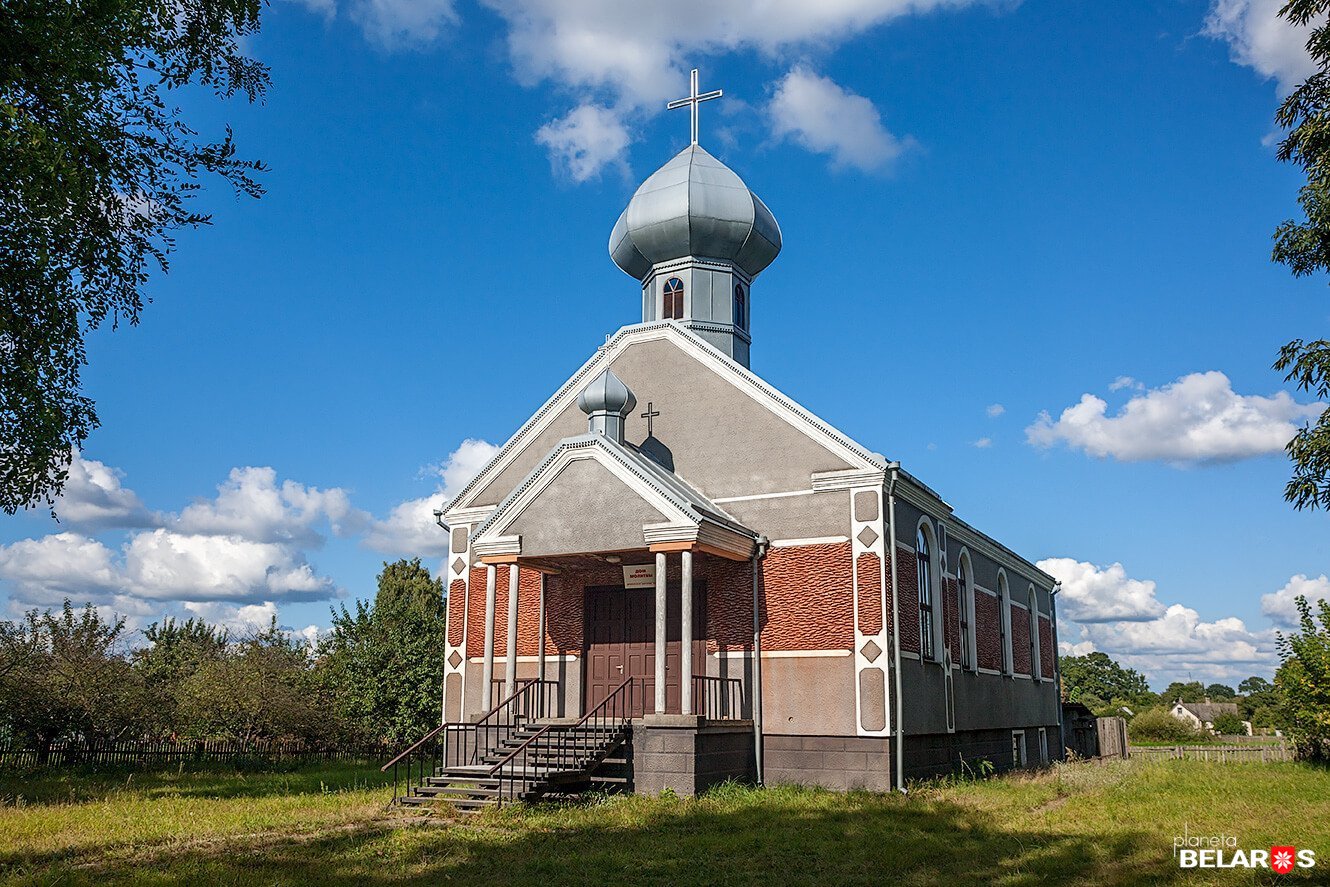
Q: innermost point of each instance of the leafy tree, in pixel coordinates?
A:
(385, 660)
(1254, 685)
(1303, 680)
(1304, 246)
(1227, 724)
(96, 171)
(1192, 691)
(1101, 683)
(262, 688)
(1220, 692)
(175, 652)
(73, 683)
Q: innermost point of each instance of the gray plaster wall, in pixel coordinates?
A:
(982, 701)
(585, 509)
(795, 517)
(722, 441)
(808, 696)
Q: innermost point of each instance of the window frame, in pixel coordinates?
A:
(672, 299)
(925, 568)
(740, 306)
(1004, 623)
(965, 603)
(1036, 671)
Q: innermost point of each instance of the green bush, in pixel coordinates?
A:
(1229, 725)
(1157, 725)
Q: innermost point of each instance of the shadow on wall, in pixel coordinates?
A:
(794, 837)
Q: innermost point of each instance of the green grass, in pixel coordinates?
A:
(1089, 823)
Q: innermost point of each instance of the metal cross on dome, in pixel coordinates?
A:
(693, 100)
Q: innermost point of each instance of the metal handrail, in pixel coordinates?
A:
(522, 685)
(415, 745)
(717, 698)
(543, 737)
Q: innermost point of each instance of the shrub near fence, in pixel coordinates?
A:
(1224, 754)
(141, 753)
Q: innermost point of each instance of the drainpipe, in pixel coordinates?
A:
(1057, 666)
(894, 468)
(758, 554)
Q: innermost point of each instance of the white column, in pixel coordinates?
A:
(660, 632)
(686, 636)
(487, 670)
(510, 669)
(540, 644)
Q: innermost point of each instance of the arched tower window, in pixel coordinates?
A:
(673, 302)
(924, 562)
(740, 307)
(965, 600)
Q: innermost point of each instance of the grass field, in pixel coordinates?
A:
(1099, 824)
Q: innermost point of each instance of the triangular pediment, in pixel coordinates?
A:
(721, 426)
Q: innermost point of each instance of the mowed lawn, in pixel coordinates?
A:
(1087, 823)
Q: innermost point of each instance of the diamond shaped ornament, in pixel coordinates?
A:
(459, 566)
(454, 659)
(871, 651)
(867, 537)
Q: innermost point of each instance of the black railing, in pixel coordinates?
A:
(717, 699)
(568, 749)
(461, 744)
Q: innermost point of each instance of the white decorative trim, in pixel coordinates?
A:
(847, 478)
(475, 516)
(783, 654)
(497, 545)
(706, 354)
(997, 674)
(906, 654)
(814, 540)
(756, 496)
(549, 657)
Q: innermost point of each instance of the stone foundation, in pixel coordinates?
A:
(688, 755)
(834, 762)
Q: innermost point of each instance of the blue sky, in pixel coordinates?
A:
(1039, 206)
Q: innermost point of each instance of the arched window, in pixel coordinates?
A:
(965, 600)
(673, 302)
(1004, 622)
(924, 561)
(1034, 635)
(740, 307)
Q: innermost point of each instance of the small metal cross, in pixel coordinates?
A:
(650, 415)
(693, 100)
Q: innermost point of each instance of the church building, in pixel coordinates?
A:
(675, 553)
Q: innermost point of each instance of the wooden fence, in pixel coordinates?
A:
(1112, 735)
(146, 753)
(1224, 754)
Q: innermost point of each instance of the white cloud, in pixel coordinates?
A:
(47, 570)
(817, 113)
(1280, 607)
(1259, 39)
(175, 566)
(94, 497)
(983, 443)
(1196, 419)
(251, 505)
(994, 410)
(325, 8)
(1101, 594)
(395, 24)
(585, 140)
(1101, 608)
(410, 528)
(1122, 382)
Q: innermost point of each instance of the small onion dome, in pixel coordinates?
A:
(694, 206)
(607, 394)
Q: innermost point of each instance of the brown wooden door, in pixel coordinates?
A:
(621, 643)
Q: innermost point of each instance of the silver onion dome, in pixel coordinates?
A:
(607, 394)
(694, 205)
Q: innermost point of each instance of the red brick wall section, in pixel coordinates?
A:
(952, 617)
(907, 578)
(456, 617)
(1046, 660)
(987, 631)
(1020, 640)
(808, 598)
(870, 593)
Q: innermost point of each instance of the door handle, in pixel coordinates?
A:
(620, 669)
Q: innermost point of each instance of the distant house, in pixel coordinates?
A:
(1201, 715)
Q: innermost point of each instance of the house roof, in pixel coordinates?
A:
(1208, 711)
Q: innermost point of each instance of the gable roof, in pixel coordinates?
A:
(688, 514)
(1208, 711)
(742, 378)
